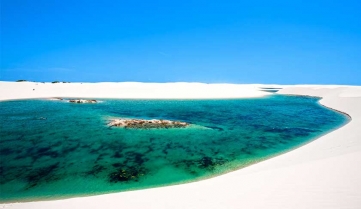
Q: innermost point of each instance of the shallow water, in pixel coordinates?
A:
(74, 153)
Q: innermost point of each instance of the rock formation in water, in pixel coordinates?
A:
(55, 98)
(146, 124)
(83, 101)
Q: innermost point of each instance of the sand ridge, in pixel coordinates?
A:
(127, 90)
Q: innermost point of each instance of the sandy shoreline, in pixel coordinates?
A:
(127, 90)
(325, 173)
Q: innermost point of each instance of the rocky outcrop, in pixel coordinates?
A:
(83, 101)
(147, 124)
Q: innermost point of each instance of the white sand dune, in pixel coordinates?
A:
(127, 90)
(325, 173)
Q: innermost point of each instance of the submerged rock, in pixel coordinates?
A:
(146, 124)
(83, 101)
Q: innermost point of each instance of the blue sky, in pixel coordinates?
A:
(285, 42)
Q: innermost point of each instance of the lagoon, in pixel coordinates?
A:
(74, 153)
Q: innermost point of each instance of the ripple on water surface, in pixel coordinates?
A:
(74, 153)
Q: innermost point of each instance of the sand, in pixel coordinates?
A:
(126, 90)
(325, 173)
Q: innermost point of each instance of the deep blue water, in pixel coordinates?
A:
(74, 153)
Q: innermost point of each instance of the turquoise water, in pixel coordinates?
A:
(74, 153)
(270, 90)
